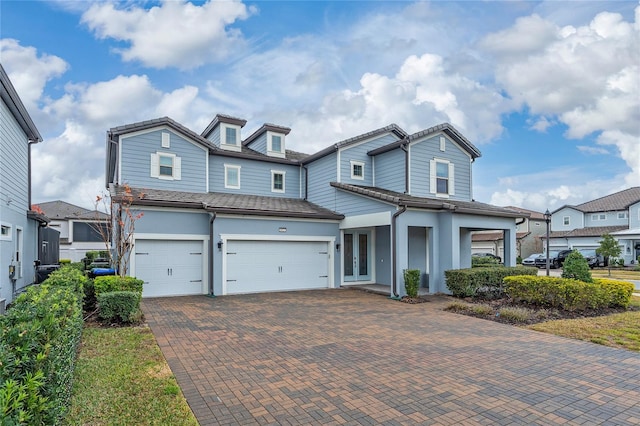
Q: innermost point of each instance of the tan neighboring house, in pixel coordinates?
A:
(529, 231)
(79, 228)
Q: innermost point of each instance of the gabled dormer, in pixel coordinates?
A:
(268, 139)
(224, 132)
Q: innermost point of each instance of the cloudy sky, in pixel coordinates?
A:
(548, 91)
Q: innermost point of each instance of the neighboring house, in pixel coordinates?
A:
(81, 230)
(582, 226)
(493, 242)
(226, 215)
(19, 225)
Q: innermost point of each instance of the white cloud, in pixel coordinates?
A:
(175, 34)
(592, 150)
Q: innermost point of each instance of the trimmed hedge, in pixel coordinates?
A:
(479, 262)
(411, 281)
(39, 338)
(472, 282)
(121, 306)
(105, 284)
(568, 294)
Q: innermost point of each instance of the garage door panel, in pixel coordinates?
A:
(259, 266)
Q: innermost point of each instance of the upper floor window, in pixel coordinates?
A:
(357, 170)
(600, 216)
(277, 181)
(622, 215)
(230, 137)
(275, 145)
(442, 174)
(566, 220)
(231, 176)
(166, 166)
(5, 232)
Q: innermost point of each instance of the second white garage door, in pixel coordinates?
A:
(258, 266)
(169, 268)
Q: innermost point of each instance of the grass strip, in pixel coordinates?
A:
(121, 378)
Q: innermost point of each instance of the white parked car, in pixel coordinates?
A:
(531, 260)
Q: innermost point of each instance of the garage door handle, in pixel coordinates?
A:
(195, 281)
(324, 276)
(229, 281)
(196, 253)
(140, 254)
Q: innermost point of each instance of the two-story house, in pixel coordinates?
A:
(19, 225)
(582, 226)
(226, 215)
(81, 230)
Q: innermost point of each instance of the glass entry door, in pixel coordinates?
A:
(357, 256)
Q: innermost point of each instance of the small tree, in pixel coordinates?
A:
(411, 282)
(609, 248)
(576, 266)
(118, 234)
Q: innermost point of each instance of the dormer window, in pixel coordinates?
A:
(230, 137)
(275, 145)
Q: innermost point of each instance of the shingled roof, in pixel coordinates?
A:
(594, 231)
(615, 202)
(62, 210)
(494, 236)
(469, 207)
(231, 203)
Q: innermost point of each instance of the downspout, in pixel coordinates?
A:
(406, 167)
(306, 181)
(212, 217)
(394, 285)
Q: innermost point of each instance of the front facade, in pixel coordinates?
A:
(81, 230)
(225, 215)
(19, 224)
(582, 226)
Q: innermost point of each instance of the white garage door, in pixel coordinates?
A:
(169, 268)
(258, 266)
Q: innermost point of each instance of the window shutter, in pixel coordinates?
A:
(155, 165)
(452, 183)
(177, 168)
(432, 175)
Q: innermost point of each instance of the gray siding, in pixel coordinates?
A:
(136, 162)
(575, 220)
(255, 177)
(214, 137)
(383, 255)
(611, 219)
(358, 152)
(389, 170)
(172, 222)
(422, 152)
(259, 144)
(634, 216)
(321, 172)
(352, 204)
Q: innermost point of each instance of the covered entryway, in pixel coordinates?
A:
(357, 256)
(254, 266)
(169, 268)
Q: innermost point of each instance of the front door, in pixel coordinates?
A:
(357, 256)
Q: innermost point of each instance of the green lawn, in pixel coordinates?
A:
(617, 274)
(121, 378)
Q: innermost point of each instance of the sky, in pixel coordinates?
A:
(548, 91)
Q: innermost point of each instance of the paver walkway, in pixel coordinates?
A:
(350, 357)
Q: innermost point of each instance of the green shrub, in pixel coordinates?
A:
(89, 296)
(90, 255)
(77, 265)
(576, 266)
(478, 261)
(566, 293)
(121, 306)
(519, 260)
(109, 283)
(411, 281)
(64, 261)
(67, 277)
(39, 338)
(485, 281)
(619, 292)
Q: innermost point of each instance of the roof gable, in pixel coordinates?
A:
(17, 108)
(116, 132)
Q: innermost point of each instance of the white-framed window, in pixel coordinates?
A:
(275, 145)
(166, 166)
(598, 216)
(566, 220)
(231, 176)
(442, 177)
(166, 140)
(357, 170)
(277, 180)
(443, 143)
(230, 137)
(5, 232)
(622, 215)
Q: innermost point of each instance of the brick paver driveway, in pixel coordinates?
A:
(345, 356)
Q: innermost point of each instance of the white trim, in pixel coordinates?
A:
(354, 163)
(433, 172)
(338, 167)
(19, 249)
(206, 168)
(372, 257)
(373, 171)
(270, 151)
(443, 143)
(284, 178)
(237, 146)
(176, 166)
(9, 236)
(408, 168)
(166, 140)
(274, 218)
(122, 137)
(568, 221)
(429, 137)
(226, 168)
(366, 220)
(330, 241)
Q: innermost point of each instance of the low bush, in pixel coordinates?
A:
(110, 283)
(77, 265)
(39, 338)
(67, 276)
(484, 282)
(516, 314)
(64, 261)
(123, 306)
(411, 281)
(457, 307)
(482, 309)
(566, 293)
(576, 266)
(479, 261)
